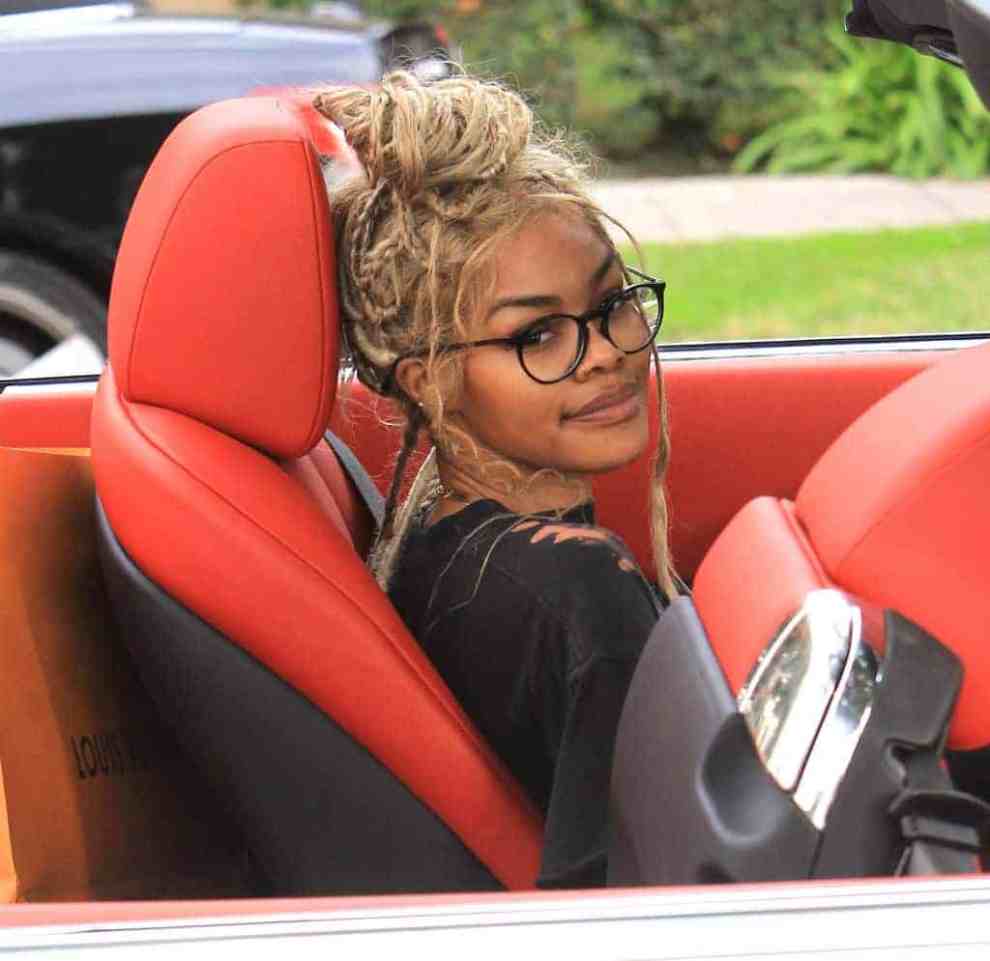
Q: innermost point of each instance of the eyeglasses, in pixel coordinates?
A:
(552, 348)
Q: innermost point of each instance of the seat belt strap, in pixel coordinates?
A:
(364, 485)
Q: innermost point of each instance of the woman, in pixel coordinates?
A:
(481, 291)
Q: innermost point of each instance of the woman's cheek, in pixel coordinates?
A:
(508, 416)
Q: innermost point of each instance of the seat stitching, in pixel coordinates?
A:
(312, 435)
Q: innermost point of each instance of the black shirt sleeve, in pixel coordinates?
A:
(606, 614)
(576, 836)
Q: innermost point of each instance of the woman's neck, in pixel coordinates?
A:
(521, 490)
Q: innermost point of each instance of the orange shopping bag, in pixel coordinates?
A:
(95, 800)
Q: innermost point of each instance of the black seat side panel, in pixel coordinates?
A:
(321, 814)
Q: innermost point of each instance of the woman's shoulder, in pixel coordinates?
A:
(550, 557)
(539, 575)
(588, 575)
(565, 558)
(571, 542)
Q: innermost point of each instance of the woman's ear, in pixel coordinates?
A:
(410, 376)
(412, 379)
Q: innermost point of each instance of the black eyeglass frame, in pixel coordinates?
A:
(603, 310)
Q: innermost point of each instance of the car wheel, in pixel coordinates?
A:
(41, 305)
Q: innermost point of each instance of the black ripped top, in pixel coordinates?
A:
(536, 624)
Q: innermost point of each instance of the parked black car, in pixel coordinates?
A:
(88, 92)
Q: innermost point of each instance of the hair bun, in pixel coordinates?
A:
(418, 136)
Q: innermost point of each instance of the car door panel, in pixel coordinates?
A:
(750, 426)
(59, 418)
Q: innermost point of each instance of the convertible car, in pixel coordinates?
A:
(217, 736)
(135, 73)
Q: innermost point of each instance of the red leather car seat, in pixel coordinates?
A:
(230, 537)
(895, 512)
(808, 729)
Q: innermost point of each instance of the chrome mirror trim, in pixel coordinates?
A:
(809, 697)
(791, 685)
(839, 735)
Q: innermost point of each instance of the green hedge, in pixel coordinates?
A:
(882, 107)
(703, 67)
(654, 77)
(681, 86)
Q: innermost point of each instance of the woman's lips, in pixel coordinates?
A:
(609, 407)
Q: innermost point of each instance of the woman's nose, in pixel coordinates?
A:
(600, 353)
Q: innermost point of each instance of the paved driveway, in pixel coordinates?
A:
(705, 208)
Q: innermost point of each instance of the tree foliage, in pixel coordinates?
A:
(689, 83)
(705, 62)
(882, 107)
(637, 75)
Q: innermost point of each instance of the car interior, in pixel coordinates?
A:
(230, 654)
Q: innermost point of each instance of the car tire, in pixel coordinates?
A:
(41, 305)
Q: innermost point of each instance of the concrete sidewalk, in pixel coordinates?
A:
(707, 208)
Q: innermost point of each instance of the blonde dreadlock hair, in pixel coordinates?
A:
(451, 169)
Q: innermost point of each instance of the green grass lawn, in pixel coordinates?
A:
(890, 281)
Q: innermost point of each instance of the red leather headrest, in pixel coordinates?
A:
(223, 304)
(898, 511)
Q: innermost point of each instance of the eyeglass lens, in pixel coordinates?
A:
(632, 323)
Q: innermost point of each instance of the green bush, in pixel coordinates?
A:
(706, 64)
(638, 76)
(683, 85)
(882, 107)
(611, 104)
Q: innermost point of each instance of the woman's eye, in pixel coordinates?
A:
(624, 303)
(537, 336)
(609, 297)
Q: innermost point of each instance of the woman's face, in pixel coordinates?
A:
(596, 419)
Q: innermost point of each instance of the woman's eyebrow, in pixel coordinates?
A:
(532, 300)
(603, 268)
(551, 300)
